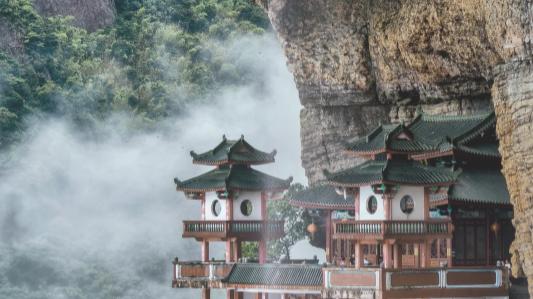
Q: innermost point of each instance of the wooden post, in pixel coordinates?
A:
(387, 198)
(397, 256)
(328, 236)
(230, 294)
(229, 251)
(358, 255)
(262, 252)
(387, 255)
(236, 250)
(205, 251)
(206, 293)
(449, 252)
(417, 255)
(423, 255)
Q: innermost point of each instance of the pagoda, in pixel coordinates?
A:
(426, 215)
(233, 199)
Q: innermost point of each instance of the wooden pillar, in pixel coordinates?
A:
(206, 293)
(387, 255)
(449, 252)
(423, 255)
(205, 251)
(358, 252)
(262, 252)
(229, 251)
(357, 205)
(416, 248)
(236, 250)
(328, 236)
(397, 256)
(202, 198)
(387, 198)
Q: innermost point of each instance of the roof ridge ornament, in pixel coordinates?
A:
(193, 154)
(224, 137)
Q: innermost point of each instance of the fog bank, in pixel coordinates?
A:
(84, 217)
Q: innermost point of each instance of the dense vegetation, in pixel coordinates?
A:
(158, 56)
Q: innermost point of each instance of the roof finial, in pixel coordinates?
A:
(242, 136)
(193, 154)
(273, 153)
(176, 181)
(224, 137)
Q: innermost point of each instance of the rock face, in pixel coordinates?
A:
(91, 15)
(360, 62)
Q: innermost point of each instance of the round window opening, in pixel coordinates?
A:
(372, 204)
(407, 204)
(216, 208)
(246, 207)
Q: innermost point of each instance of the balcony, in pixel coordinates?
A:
(244, 230)
(390, 229)
(199, 275)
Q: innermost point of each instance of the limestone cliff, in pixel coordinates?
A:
(360, 62)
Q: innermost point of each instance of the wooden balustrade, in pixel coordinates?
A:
(378, 228)
(224, 229)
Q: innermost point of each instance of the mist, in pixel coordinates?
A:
(97, 215)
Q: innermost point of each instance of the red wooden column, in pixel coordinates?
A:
(449, 251)
(397, 256)
(358, 255)
(329, 232)
(262, 242)
(262, 252)
(230, 244)
(423, 255)
(206, 293)
(205, 251)
(387, 198)
(387, 255)
(417, 255)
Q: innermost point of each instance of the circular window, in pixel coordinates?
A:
(216, 208)
(407, 204)
(246, 207)
(372, 204)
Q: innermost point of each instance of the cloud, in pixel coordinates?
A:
(98, 217)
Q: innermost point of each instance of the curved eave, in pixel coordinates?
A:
(320, 206)
(388, 182)
(466, 201)
(230, 162)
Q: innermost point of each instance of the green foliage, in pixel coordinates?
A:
(159, 56)
(296, 221)
(250, 250)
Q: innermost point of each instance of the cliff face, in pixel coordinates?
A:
(360, 62)
(91, 15)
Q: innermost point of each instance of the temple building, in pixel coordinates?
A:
(426, 215)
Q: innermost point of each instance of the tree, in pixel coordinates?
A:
(296, 221)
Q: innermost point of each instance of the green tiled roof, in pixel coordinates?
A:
(275, 275)
(406, 172)
(480, 186)
(322, 197)
(233, 152)
(481, 149)
(234, 177)
(426, 133)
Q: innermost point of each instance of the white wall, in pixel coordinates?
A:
(417, 193)
(210, 197)
(365, 193)
(255, 198)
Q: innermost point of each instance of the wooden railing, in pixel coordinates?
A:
(425, 283)
(391, 228)
(224, 229)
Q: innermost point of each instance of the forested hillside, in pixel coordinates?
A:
(158, 56)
